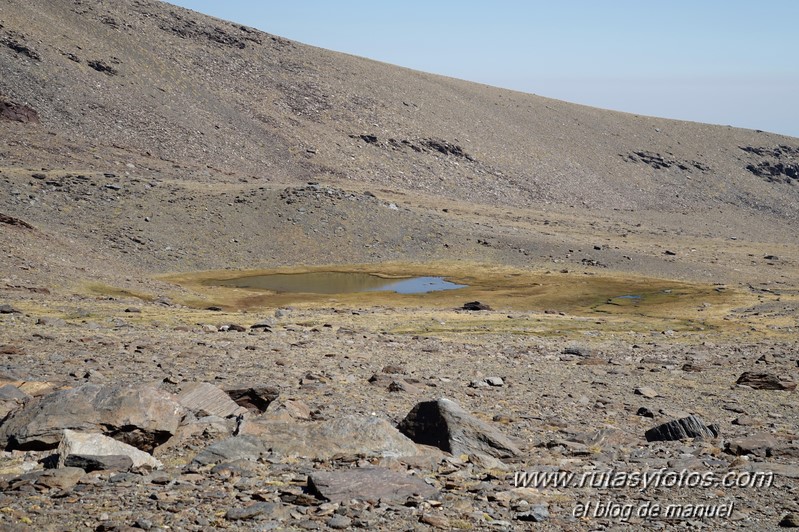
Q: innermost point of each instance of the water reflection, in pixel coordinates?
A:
(339, 283)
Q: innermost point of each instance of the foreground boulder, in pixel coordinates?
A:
(446, 425)
(95, 451)
(680, 429)
(143, 416)
(349, 435)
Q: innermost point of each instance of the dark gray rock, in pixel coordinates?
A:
(790, 521)
(89, 463)
(242, 447)
(370, 483)
(578, 350)
(339, 522)
(678, 429)
(255, 398)
(761, 445)
(51, 322)
(446, 425)
(475, 306)
(9, 392)
(8, 309)
(205, 399)
(765, 381)
(537, 514)
(349, 435)
(251, 511)
(142, 416)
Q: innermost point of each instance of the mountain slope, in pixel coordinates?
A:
(207, 97)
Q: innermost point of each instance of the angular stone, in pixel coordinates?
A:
(63, 478)
(369, 483)
(446, 425)
(254, 398)
(747, 421)
(789, 521)
(232, 327)
(241, 468)
(692, 368)
(765, 381)
(350, 436)
(646, 391)
(84, 444)
(780, 470)
(51, 321)
(495, 381)
(678, 429)
(400, 385)
(578, 350)
(38, 389)
(142, 416)
(645, 412)
(242, 447)
(251, 511)
(205, 399)
(538, 514)
(288, 410)
(8, 309)
(339, 522)
(765, 359)
(89, 463)
(9, 392)
(761, 445)
(436, 521)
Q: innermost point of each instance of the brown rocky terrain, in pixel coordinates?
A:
(636, 271)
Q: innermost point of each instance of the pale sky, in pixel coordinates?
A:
(729, 62)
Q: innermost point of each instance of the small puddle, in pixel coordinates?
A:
(339, 283)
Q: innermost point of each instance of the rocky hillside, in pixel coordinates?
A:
(631, 304)
(90, 82)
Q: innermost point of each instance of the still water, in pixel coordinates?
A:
(340, 283)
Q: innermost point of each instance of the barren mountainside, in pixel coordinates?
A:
(174, 89)
(624, 297)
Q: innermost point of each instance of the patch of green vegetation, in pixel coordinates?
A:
(575, 303)
(101, 289)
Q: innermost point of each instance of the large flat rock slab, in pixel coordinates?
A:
(370, 483)
(349, 435)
